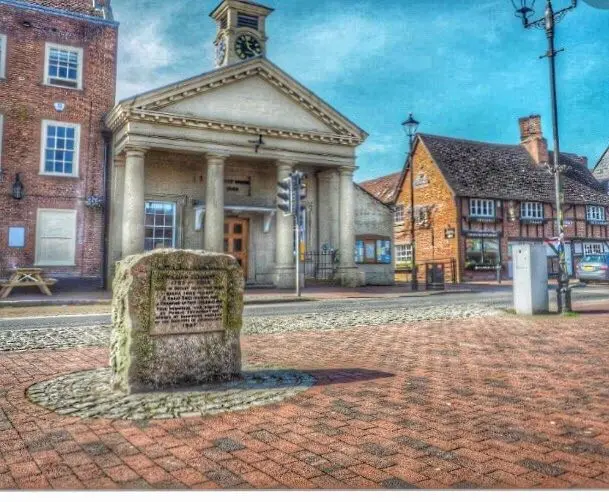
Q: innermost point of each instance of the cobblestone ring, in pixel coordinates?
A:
(89, 394)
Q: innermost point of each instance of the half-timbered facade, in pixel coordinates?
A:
(473, 201)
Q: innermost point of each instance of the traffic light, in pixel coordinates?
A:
(285, 193)
(302, 192)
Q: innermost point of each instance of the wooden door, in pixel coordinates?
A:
(236, 233)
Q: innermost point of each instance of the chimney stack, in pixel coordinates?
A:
(532, 138)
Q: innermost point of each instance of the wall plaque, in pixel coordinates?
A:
(188, 302)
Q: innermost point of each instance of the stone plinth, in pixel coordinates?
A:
(176, 320)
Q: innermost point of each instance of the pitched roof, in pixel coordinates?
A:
(601, 170)
(476, 169)
(383, 188)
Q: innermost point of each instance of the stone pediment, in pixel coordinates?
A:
(255, 96)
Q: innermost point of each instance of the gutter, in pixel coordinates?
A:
(107, 136)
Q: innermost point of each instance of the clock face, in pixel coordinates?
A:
(220, 51)
(247, 46)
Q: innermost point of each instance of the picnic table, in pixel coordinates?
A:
(23, 277)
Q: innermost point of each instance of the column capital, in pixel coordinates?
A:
(135, 151)
(285, 162)
(119, 160)
(217, 156)
(347, 170)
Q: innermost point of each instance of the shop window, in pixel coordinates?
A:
(593, 248)
(481, 253)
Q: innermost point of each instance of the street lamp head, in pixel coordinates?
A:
(410, 125)
(524, 9)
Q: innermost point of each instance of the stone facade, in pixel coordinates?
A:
(176, 320)
(25, 102)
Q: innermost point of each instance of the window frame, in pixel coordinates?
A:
(174, 226)
(3, 51)
(590, 210)
(531, 210)
(399, 213)
(69, 48)
(43, 147)
(407, 252)
(480, 205)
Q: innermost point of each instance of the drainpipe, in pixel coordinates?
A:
(107, 136)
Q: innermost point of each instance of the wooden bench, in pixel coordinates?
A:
(23, 277)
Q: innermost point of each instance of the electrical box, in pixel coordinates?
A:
(530, 267)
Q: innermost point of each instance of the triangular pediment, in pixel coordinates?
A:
(255, 94)
(252, 101)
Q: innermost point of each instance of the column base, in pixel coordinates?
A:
(351, 277)
(285, 277)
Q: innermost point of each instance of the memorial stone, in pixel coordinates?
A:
(176, 320)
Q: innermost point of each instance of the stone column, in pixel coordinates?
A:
(284, 245)
(213, 226)
(116, 198)
(348, 272)
(328, 207)
(133, 203)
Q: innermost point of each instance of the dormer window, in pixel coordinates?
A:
(595, 214)
(247, 21)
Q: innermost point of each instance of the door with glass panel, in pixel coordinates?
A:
(160, 225)
(235, 240)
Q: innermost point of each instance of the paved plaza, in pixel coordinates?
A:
(474, 399)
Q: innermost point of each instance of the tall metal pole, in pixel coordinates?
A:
(296, 182)
(413, 274)
(563, 293)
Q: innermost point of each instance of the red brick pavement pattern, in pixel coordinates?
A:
(495, 402)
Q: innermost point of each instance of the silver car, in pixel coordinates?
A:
(594, 267)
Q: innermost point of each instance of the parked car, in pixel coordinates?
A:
(593, 267)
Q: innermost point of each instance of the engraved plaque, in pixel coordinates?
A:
(187, 302)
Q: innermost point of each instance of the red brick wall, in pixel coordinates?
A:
(25, 102)
(437, 195)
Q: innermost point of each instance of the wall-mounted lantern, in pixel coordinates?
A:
(17, 188)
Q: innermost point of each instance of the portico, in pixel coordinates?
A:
(196, 165)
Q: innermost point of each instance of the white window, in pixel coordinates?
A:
(63, 66)
(531, 211)
(593, 248)
(60, 148)
(403, 253)
(2, 55)
(595, 213)
(160, 231)
(398, 215)
(482, 207)
(56, 237)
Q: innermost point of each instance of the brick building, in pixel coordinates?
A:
(474, 200)
(57, 80)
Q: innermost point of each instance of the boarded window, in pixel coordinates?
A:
(56, 237)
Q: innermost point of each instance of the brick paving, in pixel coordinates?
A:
(494, 402)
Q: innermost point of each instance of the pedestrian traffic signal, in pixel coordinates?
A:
(302, 192)
(285, 195)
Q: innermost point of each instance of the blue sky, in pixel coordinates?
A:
(466, 69)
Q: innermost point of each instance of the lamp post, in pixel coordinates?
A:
(411, 126)
(525, 10)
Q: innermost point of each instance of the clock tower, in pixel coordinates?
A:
(241, 33)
